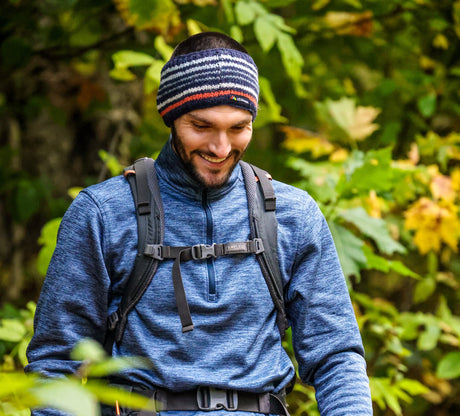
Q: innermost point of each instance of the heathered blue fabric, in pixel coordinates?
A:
(235, 343)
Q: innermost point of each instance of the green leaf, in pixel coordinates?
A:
(88, 349)
(403, 270)
(109, 395)
(245, 13)
(48, 236)
(427, 104)
(428, 339)
(152, 76)
(265, 33)
(369, 171)
(115, 365)
(449, 366)
(127, 58)
(374, 228)
(424, 289)
(291, 57)
(413, 387)
(349, 248)
(12, 383)
(122, 74)
(163, 48)
(320, 4)
(12, 330)
(67, 395)
(272, 113)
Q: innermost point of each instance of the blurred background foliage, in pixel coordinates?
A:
(360, 106)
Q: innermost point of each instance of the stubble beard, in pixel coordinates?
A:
(191, 169)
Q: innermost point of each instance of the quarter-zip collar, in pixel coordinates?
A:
(170, 168)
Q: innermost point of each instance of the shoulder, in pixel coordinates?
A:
(108, 199)
(293, 200)
(112, 190)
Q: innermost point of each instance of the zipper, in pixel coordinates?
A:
(209, 233)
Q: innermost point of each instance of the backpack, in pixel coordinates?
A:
(150, 224)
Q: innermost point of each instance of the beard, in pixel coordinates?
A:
(218, 179)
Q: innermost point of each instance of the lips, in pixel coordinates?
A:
(213, 159)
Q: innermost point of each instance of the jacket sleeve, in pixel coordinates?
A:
(326, 338)
(74, 297)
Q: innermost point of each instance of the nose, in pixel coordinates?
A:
(220, 144)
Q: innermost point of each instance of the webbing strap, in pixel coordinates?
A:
(196, 252)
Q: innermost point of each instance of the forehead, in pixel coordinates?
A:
(219, 113)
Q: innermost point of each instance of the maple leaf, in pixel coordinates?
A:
(356, 121)
(434, 223)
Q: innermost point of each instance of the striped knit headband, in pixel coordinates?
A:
(206, 79)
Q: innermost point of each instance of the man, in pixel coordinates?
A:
(208, 96)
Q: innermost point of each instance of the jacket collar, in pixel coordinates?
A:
(170, 168)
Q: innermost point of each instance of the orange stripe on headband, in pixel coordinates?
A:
(205, 95)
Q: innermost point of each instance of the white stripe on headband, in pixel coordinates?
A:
(227, 66)
(173, 65)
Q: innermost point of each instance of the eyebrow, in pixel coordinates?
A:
(242, 122)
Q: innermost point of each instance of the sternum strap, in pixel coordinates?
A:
(196, 252)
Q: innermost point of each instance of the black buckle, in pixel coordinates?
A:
(112, 320)
(203, 251)
(210, 398)
(154, 250)
(259, 246)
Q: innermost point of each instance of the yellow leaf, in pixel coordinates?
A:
(155, 15)
(441, 188)
(434, 223)
(356, 121)
(339, 155)
(355, 24)
(374, 205)
(440, 41)
(456, 179)
(300, 141)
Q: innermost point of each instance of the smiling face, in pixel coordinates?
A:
(211, 141)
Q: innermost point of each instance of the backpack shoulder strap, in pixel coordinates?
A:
(150, 227)
(262, 205)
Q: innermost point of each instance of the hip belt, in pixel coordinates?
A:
(209, 398)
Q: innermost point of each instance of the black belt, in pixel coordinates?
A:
(209, 398)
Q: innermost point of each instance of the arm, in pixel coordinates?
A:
(326, 338)
(73, 301)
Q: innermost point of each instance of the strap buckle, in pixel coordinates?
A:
(259, 245)
(112, 320)
(210, 398)
(203, 251)
(155, 251)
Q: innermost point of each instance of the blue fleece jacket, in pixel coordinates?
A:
(236, 343)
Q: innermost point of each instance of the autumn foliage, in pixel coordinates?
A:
(359, 106)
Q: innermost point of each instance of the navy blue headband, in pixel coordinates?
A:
(206, 79)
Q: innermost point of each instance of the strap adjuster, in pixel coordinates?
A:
(112, 320)
(259, 245)
(210, 398)
(155, 251)
(203, 251)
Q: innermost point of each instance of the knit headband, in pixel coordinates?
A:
(206, 79)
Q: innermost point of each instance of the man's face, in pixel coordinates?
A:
(211, 141)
